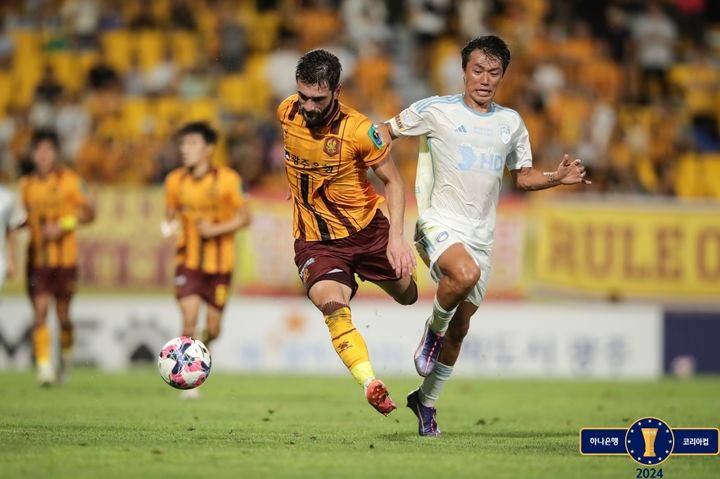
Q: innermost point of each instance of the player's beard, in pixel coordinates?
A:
(315, 118)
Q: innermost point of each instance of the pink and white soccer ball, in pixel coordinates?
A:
(184, 362)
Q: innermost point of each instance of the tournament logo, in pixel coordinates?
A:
(649, 441)
(505, 133)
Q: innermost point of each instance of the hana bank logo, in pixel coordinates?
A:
(649, 441)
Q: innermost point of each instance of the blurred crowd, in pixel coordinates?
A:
(631, 87)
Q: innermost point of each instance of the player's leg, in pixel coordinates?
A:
(212, 326)
(371, 262)
(62, 309)
(38, 287)
(403, 290)
(41, 338)
(333, 298)
(189, 309)
(460, 273)
(63, 291)
(422, 400)
(457, 273)
(189, 289)
(216, 297)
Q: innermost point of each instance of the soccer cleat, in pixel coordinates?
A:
(427, 423)
(379, 398)
(428, 352)
(45, 374)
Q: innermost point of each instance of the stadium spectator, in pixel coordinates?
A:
(654, 35)
(56, 202)
(205, 208)
(472, 139)
(182, 15)
(233, 43)
(339, 230)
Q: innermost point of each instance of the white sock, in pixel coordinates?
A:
(433, 385)
(440, 318)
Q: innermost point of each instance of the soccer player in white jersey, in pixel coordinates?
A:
(10, 219)
(466, 140)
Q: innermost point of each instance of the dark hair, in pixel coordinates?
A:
(209, 134)
(41, 135)
(319, 67)
(490, 45)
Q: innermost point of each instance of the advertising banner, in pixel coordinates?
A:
(667, 251)
(507, 339)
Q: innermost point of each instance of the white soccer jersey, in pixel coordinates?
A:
(10, 217)
(468, 151)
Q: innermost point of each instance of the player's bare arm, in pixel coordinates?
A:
(240, 219)
(399, 253)
(569, 172)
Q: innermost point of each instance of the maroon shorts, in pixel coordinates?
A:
(58, 282)
(363, 253)
(213, 288)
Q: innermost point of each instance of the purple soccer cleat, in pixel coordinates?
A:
(427, 423)
(428, 351)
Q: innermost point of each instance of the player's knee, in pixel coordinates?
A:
(409, 296)
(466, 277)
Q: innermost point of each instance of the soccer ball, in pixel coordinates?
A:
(184, 362)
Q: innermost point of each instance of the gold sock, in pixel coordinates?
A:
(349, 344)
(41, 344)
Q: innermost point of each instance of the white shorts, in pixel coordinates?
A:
(433, 237)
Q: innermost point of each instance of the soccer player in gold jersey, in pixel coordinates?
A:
(206, 207)
(56, 202)
(338, 228)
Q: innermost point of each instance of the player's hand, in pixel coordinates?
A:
(572, 172)
(401, 256)
(205, 228)
(169, 228)
(51, 230)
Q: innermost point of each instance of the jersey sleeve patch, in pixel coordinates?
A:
(375, 137)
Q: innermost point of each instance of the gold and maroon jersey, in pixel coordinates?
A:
(214, 197)
(47, 199)
(327, 171)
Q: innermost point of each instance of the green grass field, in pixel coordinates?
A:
(132, 425)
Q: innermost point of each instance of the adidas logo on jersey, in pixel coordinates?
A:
(461, 129)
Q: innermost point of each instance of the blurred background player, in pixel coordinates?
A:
(469, 139)
(339, 230)
(56, 202)
(10, 219)
(205, 206)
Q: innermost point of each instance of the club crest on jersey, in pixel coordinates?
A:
(505, 133)
(332, 146)
(375, 137)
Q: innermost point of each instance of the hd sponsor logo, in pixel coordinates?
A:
(649, 441)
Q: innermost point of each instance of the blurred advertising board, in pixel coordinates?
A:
(122, 251)
(264, 334)
(657, 250)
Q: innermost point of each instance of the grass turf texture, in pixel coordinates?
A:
(133, 425)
